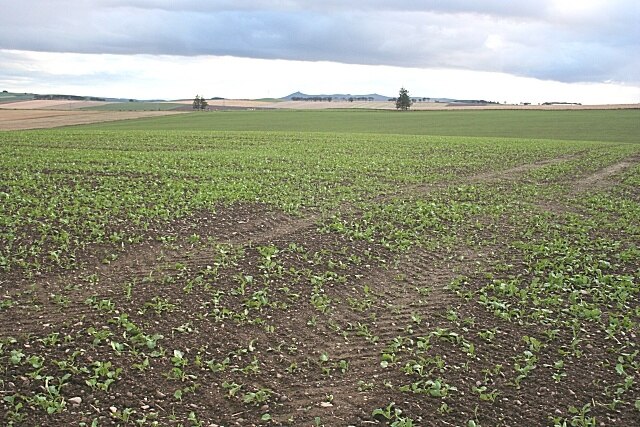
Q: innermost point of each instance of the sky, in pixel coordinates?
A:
(512, 51)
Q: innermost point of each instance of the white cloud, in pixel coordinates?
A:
(173, 77)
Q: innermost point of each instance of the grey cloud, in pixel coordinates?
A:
(492, 7)
(529, 38)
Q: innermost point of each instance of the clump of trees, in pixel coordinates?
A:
(67, 98)
(199, 103)
(313, 98)
(404, 100)
(361, 98)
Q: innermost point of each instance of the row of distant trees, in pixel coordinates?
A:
(67, 98)
(313, 98)
(331, 98)
(414, 100)
(360, 98)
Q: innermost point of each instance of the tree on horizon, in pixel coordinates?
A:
(199, 103)
(404, 101)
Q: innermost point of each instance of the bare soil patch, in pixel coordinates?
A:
(42, 119)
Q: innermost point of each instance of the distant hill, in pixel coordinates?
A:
(6, 96)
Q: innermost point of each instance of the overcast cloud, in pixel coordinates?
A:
(591, 41)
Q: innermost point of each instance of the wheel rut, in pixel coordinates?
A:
(601, 178)
(510, 174)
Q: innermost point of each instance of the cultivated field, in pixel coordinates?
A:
(139, 106)
(322, 276)
(603, 125)
(46, 104)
